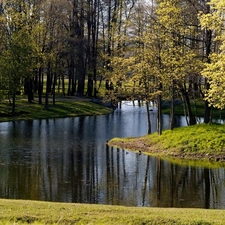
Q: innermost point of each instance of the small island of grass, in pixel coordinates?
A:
(200, 141)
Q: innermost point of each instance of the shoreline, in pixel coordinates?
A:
(201, 142)
(142, 148)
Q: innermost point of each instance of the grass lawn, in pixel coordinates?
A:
(67, 107)
(35, 212)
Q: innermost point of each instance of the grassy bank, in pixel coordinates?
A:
(33, 212)
(66, 107)
(192, 142)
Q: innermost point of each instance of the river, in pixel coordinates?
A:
(67, 160)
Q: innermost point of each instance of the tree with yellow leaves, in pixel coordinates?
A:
(159, 60)
(215, 67)
(178, 57)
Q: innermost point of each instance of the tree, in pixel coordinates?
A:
(17, 56)
(179, 59)
(135, 61)
(214, 70)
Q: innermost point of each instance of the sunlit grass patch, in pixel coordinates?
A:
(37, 212)
(61, 109)
(201, 138)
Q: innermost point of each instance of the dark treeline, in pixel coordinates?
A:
(56, 45)
(152, 50)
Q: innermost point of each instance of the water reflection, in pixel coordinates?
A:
(149, 181)
(66, 160)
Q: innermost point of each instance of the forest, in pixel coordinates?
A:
(117, 49)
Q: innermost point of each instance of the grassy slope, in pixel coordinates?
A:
(62, 108)
(24, 212)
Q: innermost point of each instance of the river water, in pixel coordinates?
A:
(67, 160)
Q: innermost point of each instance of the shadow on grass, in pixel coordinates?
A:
(69, 108)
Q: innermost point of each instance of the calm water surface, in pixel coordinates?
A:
(67, 160)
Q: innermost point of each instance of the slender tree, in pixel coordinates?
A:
(17, 56)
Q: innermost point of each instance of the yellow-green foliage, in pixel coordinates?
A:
(214, 70)
(33, 212)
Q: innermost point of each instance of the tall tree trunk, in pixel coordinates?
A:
(88, 61)
(192, 120)
(80, 66)
(40, 85)
(53, 88)
(148, 118)
(172, 107)
(95, 30)
(63, 85)
(159, 115)
(80, 78)
(14, 104)
(47, 87)
(28, 88)
(208, 43)
(69, 80)
(207, 113)
(73, 82)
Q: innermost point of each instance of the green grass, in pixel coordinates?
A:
(201, 138)
(35, 212)
(62, 108)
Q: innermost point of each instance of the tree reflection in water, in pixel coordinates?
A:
(67, 160)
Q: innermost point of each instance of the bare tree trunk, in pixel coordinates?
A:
(208, 43)
(192, 120)
(172, 107)
(80, 66)
(63, 85)
(53, 88)
(148, 118)
(14, 104)
(47, 87)
(159, 115)
(208, 109)
(40, 85)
